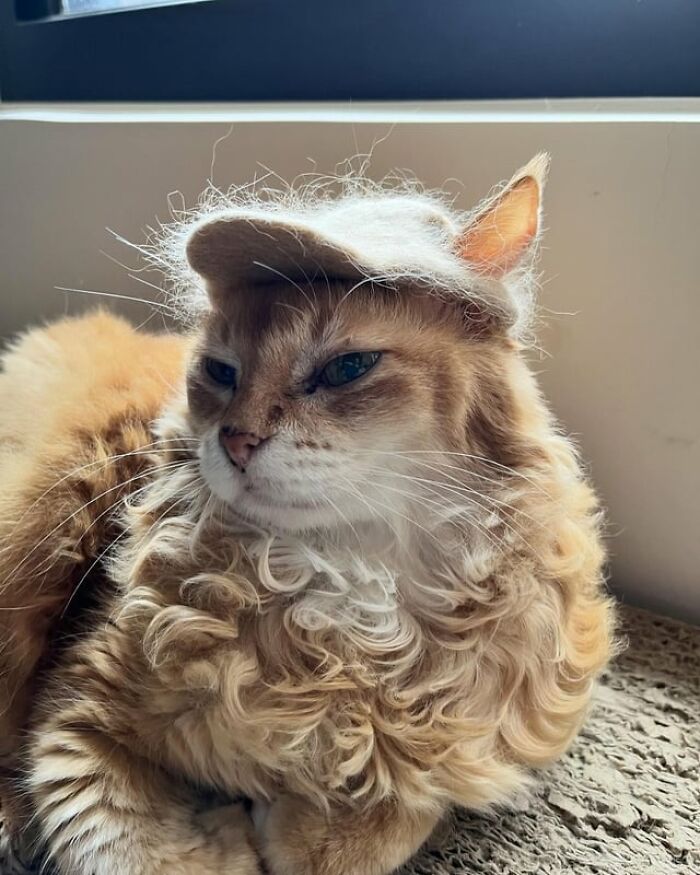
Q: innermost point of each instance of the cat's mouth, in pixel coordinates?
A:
(277, 498)
(280, 495)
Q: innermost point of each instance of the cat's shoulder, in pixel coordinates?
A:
(97, 359)
(97, 336)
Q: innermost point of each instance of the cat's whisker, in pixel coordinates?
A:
(473, 496)
(496, 502)
(511, 472)
(285, 305)
(100, 556)
(447, 506)
(442, 452)
(144, 450)
(120, 297)
(148, 319)
(325, 278)
(139, 279)
(127, 268)
(85, 505)
(379, 280)
(476, 495)
(403, 516)
(353, 491)
(288, 279)
(111, 508)
(309, 280)
(40, 569)
(345, 519)
(207, 513)
(174, 500)
(127, 530)
(176, 390)
(452, 453)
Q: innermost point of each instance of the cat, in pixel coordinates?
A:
(326, 550)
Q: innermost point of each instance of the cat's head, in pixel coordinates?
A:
(350, 347)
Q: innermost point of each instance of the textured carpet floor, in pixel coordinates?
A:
(624, 801)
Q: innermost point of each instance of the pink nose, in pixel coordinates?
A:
(239, 445)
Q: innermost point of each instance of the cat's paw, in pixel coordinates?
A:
(285, 836)
(229, 830)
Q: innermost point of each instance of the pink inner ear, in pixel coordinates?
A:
(499, 237)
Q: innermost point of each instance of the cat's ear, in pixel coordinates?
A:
(504, 230)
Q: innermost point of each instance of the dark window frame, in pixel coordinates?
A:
(339, 50)
(55, 10)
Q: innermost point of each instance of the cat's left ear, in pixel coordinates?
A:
(503, 232)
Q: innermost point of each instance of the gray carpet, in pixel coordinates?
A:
(624, 801)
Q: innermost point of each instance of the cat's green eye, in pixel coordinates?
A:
(346, 368)
(220, 372)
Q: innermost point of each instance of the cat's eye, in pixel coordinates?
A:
(346, 368)
(220, 372)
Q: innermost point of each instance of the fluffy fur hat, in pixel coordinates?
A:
(367, 232)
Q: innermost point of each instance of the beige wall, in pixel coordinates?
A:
(622, 254)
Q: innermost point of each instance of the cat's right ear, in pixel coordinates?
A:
(503, 232)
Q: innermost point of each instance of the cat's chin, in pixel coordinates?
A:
(293, 518)
(285, 519)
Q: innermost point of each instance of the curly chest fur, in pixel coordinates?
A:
(283, 705)
(286, 665)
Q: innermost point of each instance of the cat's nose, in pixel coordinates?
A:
(240, 445)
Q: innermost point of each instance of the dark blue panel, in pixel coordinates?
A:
(359, 50)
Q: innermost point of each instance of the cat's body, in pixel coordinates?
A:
(78, 401)
(369, 611)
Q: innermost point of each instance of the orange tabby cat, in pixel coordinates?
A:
(358, 577)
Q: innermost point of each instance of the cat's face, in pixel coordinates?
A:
(319, 405)
(311, 403)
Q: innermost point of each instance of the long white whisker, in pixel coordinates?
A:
(404, 517)
(485, 532)
(99, 294)
(114, 542)
(287, 279)
(444, 506)
(461, 515)
(168, 508)
(103, 552)
(474, 494)
(85, 505)
(145, 450)
(347, 521)
(476, 458)
(354, 491)
(140, 279)
(510, 471)
(357, 285)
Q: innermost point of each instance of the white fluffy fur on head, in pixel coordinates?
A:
(391, 232)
